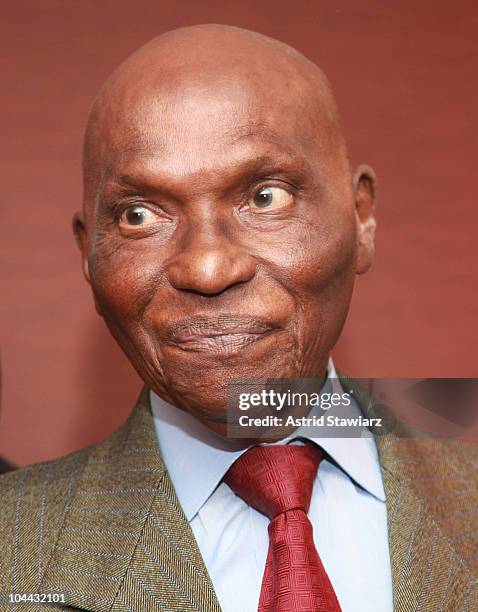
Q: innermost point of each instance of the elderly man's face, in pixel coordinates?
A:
(224, 239)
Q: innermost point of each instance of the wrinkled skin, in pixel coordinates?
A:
(222, 228)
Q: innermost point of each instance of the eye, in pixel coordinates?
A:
(270, 198)
(137, 216)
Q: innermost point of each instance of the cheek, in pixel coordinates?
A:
(315, 259)
(123, 282)
(318, 268)
(328, 280)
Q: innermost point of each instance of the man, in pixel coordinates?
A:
(221, 232)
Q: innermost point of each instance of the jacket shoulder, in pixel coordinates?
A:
(33, 501)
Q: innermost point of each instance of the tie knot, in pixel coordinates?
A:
(274, 479)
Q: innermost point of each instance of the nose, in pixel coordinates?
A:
(209, 261)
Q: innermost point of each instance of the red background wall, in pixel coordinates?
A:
(405, 75)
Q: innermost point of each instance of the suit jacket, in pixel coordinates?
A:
(103, 526)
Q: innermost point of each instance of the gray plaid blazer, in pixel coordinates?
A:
(104, 527)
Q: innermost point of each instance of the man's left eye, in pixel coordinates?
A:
(270, 198)
(137, 216)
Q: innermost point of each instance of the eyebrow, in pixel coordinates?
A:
(296, 164)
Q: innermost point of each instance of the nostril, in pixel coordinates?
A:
(210, 272)
(211, 293)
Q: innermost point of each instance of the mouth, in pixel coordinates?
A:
(218, 335)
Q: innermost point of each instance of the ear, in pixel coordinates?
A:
(79, 229)
(364, 184)
(81, 235)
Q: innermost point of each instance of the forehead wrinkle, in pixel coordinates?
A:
(143, 179)
(265, 145)
(259, 145)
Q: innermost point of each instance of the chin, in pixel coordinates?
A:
(202, 387)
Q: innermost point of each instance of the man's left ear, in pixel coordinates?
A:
(364, 184)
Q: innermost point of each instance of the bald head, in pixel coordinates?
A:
(224, 71)
(222, 228)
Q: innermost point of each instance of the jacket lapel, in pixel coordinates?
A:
(428, 573)
(125, 543)
(167, 571)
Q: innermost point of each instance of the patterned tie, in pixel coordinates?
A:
(277, 481)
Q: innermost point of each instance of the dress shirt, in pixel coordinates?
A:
(347, 511)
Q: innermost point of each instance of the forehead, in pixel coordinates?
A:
(214, 126)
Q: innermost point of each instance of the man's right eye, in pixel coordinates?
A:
(137, 216)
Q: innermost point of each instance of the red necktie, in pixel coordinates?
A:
(277, 481)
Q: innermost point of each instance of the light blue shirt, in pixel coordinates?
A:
(347, 511)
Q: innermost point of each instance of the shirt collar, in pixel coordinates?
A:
(197, 459)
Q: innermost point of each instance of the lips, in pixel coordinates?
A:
(219, 334)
